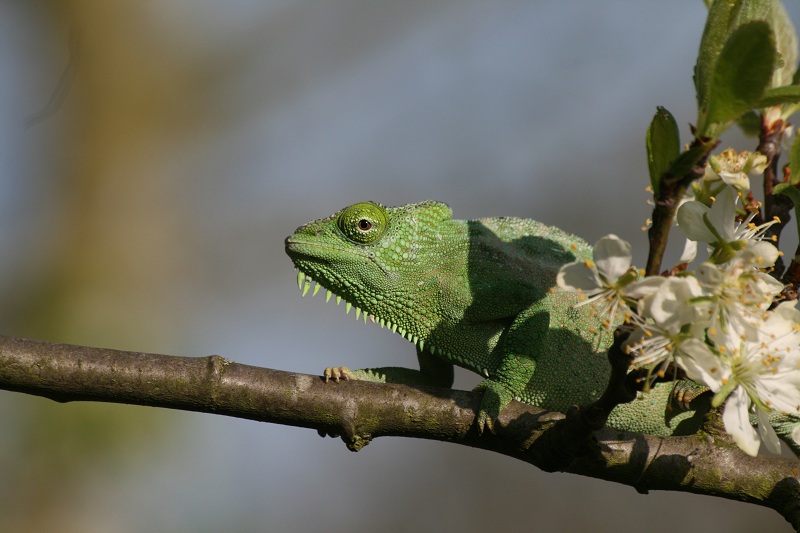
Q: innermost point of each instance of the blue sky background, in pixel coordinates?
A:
(149, 211)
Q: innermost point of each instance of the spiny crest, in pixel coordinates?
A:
(305, 282)
(429, 211)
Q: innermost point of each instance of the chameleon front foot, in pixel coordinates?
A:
(685, 391)
(337, 373)
(495, 397)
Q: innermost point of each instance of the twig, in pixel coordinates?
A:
(686, 168)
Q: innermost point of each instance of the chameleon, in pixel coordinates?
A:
(479, 294)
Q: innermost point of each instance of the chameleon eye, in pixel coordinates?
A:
(363, 223)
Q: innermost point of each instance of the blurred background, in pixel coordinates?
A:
(144, 202)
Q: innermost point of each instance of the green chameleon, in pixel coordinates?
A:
(478, 294)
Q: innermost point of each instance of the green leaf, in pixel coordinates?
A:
(794, 161)
(724, 17)
(741, 74)
(788, 94)
(750, 123)
(714, 35)
(663, 145)
(794, 194)
(785, 44)
(682, 165)
(787, 189)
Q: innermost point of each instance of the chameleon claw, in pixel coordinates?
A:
(483, 422)
(495, 397)
(337, 373)
(684, 393)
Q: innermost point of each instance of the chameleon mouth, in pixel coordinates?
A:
(305, 283)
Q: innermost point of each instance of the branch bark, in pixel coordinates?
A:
(705, 463)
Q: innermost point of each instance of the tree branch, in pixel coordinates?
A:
(687, 167)
(360, 411)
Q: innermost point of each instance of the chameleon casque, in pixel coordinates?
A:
(478, 294)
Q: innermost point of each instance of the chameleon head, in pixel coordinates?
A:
(369, 255)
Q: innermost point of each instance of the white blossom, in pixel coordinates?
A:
(737, 295)
(716, 323)
(699, 222)
(751, 376)
(717, 226)
(667, 317)
(733, 168)
(604, 280)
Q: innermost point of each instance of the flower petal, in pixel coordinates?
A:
(737, 422)
(781, 390)
(760, 254)
(689, 251)
(645, 287)
(767, 433)
(723, 213)
(737, 180)
(578, 277)
(691, 223)
(709, 275)
(612, 256)
(669, 306)
(701, 364)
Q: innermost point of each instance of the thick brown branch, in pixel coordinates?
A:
(361, 411)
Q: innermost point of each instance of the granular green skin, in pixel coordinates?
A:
(476, 294)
